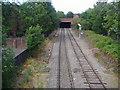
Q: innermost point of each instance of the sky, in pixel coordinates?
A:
(76, 6)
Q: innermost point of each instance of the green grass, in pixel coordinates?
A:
(105, 44)
(36, 65)
(40, 87)
(24, 80)
(30, 72)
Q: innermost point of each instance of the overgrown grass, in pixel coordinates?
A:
(25, 79)
(105, 44)
(34, 68)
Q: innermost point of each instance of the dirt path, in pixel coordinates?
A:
(61, 73)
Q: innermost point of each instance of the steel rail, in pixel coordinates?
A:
(88, 61)
(59, 58)
(79, 61)
(68, 63)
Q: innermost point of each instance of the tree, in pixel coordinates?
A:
(18, 18)
(60, 14)
(102, 19)
(75, 22)
(111, 21)
(34, 37)
(69, 14)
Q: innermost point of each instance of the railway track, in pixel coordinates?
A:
(63, 43)
(68, 64)
(91, 78)
(59, 58)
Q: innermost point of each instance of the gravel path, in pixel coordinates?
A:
(69, 65)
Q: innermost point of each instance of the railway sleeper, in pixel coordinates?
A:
(91, 76)
(95, 83)
(89, 71)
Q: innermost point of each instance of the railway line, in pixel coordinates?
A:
(92, 79)
(65, 76)
(63, 58)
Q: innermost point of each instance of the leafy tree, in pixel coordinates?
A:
(9, 70)
(34, 37)
(111, 21)
(10, 18)
(44, 14)
(60, 14)
(75, 22)
(18, 18)
(103, 19)
(69, 14)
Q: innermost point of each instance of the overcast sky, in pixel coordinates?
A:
(76, 6)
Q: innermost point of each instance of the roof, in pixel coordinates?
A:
(66, 19)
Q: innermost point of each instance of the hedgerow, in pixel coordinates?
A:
(105, 44)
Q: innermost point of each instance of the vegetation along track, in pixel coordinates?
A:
(90, 75)
(63, 40)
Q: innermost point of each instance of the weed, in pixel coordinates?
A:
(24, 80)
(30, 72)
(40, 86)
(105, 61)
(35, 65)
(105, 44)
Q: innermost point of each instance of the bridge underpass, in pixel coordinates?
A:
(66, 22)
(65, 25)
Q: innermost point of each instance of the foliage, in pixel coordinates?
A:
(60, 14)
(105, 44)
(69, 14)
(9, 70)
(35, 19)
(34, 37)
(102, 19)
(10, 17)
(75, 22)
(44, 14)
(4, 38)
(18, 18)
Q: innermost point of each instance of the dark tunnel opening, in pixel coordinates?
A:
(65, 25)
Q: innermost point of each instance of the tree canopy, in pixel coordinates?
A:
(69, 14)
(103, 19)
(61, 14)
(18, 18)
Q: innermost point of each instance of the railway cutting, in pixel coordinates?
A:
(69, 66)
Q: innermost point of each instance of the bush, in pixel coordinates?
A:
(34, 37)
(105, 44)
(9, 70)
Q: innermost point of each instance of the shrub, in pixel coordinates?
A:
(105, 44)
(34, 37)
(9, 70)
